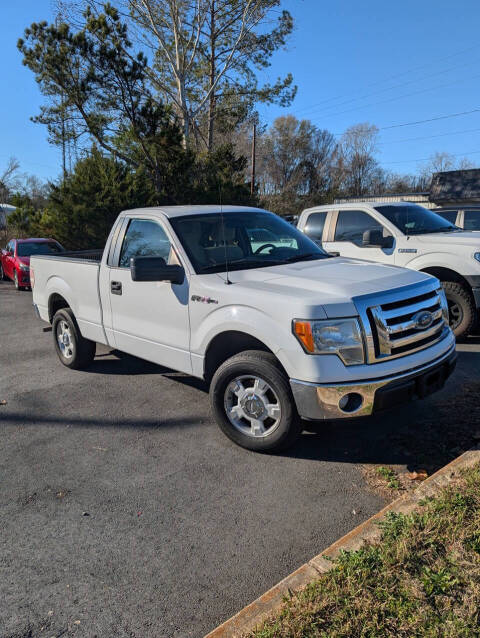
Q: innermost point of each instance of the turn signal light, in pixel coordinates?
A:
(303, 331)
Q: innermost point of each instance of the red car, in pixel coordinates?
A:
(15, 258)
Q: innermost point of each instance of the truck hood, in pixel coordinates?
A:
(335, 282)
(463, 238)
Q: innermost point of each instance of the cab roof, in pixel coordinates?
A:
(181, 211)
(35, 239)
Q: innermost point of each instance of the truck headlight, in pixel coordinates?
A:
(444, 304)
(477, 256)
(24, 267)
(342, 337)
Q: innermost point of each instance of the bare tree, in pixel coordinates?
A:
(358, 171)
(205, 51)
(9, 179)
(294, 163)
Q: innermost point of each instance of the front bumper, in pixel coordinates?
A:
(318, 401)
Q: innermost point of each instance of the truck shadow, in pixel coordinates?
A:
(120, 363)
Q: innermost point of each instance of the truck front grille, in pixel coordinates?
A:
(399, 325)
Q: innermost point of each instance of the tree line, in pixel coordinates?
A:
(154, 101)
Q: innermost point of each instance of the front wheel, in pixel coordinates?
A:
(73, 350)
(15, 281)
(252, 402)
(461, 308)
(3, 276)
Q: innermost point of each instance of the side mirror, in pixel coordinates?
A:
(375, 238)
(155, 269)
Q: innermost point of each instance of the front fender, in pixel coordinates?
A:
(439, 260)
(276, 335)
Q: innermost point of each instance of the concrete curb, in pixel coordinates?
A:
(257, 611)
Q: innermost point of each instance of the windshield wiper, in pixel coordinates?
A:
(306, 257)
(238, 264)
(435, 230)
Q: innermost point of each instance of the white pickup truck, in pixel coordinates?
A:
(407, 235)
(279, 330)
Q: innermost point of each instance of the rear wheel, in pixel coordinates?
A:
(252, 402)
(461, 308)
(3, 276)
(73, 350)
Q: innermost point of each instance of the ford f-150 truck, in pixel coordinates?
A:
(407, 235)
(279, 330)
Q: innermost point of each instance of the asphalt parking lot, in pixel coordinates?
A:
(126, 512)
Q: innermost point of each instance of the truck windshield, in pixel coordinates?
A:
(29, 248)
(242, 240)
(412, 219)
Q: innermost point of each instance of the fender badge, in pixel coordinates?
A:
(407, 250)
(204, 299)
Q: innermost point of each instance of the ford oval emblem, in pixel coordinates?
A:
(422, 320)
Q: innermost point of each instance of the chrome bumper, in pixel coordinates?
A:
(318, 401)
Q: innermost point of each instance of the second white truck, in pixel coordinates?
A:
(237, 296)
(407, 235)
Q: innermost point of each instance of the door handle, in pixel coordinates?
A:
(116, 287)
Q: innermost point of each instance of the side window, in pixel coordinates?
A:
(449, 215)
(471, 220)
(144, 238)
(315, 225)
(351, 224)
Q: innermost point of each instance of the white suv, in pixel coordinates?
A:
(405, 234)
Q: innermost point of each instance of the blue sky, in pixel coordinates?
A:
(387, 63)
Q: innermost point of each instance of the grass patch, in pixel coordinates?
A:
(390, 477)
(421, 579)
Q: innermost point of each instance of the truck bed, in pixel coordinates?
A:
(94, 255)
(73, 276)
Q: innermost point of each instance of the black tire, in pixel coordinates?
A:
(79, 352)
(263, 366)
(15, 281)
(461, 308)
(3, 276)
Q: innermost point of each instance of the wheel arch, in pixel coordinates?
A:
(228, 343)
(56, 302)
(447, 274)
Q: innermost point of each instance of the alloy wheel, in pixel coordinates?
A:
(65, 339)
(252, 406)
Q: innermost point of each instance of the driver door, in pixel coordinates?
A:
(349, 230)
(149, 318)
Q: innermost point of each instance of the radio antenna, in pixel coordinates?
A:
(227, 280)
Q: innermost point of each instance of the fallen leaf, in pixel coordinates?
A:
(419, 475)
(3, 402)
(85, 514)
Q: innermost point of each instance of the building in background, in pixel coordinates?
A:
(388, 198)
(5, 211)
(450, 188)
(456, 188)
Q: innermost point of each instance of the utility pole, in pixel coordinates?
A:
(254, 142)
